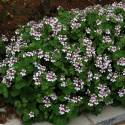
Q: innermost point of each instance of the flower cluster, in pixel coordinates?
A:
(54, 23)
(104, 91)
(37, 75)
(121, 92)
(47, 100)
(90, 50)
(121, 61)
(117, 30)
(75, 23)
(23, 72)
(112, 76)
(123, 72)
(36, 29)
(92, 76)
(75, 59)
(8, 78)
(31, 114)
(15, 46)
(93, 100)
(40, 54)
(102, 62)
(37, 78)
(63, 82)
(51, 76)
(78, 84)
(63, 109)
(107, 39)
(74, 99)
(113, 48)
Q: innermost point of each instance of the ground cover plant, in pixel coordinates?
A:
(59, 67)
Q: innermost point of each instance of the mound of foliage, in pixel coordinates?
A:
(59, 67)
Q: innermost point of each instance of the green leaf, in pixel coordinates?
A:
(121, 42)
(26, 117)
(59, 121)
(119, 54)
(39, 98)
(17, 104)
(20, 83)
(15, 92)
(101, 48)
(64, 16)
(3, 90)
(91, 19)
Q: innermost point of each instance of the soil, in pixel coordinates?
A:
(17, 12)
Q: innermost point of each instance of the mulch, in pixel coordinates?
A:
(18, 12)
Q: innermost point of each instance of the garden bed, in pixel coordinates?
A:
(68, 64)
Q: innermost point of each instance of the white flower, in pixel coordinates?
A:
(104, 91)
(124, 72)
(62, 38)
(98, 22)
(88, 30)
(47, 56)
(17, 31)
(35, 29)
(31, 114)
(75, 24)
(28, 54)
(63, 109)
(40, 53)
(121, 92)
(54, 23)
(36, 78)
(90, 50)
(113, 48)
(46, 101)
(51, 76)
(10, 75)
(107, 39)
(99, 31)
(76, 99)
(96, 76)
(37, 82)
(4, 38)
(53, 96)
(78, 84)
(102, 62)
(12, 61)
(107, 32)
(93, 100)
(41, 68)
(62, 78)
(90, 76)
(121, 61)
(23, 72)
(119, 18)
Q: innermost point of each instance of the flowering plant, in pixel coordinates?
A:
(61, 66)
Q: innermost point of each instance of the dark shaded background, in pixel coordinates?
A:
(18, 12)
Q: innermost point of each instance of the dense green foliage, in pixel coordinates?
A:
(61, 66)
